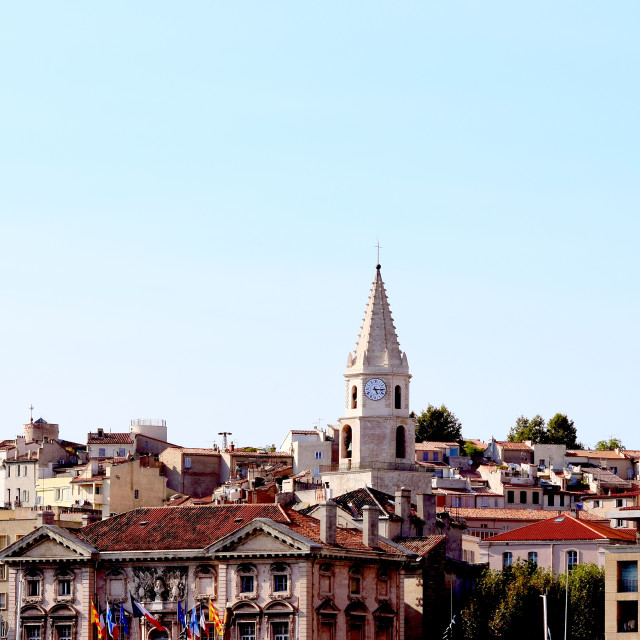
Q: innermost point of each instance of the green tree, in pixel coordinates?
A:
(475, 453)
(586, 602)
(560, 430)
(528, 429)
(438, 424)
(609, 445)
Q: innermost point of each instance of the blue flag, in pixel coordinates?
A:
(111, 623)
(182, 618)
(194, 627)
(123, 622)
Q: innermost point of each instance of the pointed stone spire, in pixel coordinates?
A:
(378, 347)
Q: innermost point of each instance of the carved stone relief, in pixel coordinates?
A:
(167, 584)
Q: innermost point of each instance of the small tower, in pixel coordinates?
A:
(377, 431)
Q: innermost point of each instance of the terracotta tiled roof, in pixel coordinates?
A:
(261, 454)
(110, 438)
(421, 545)
(513, 446)
(631, 453)
(86, 479)
(477, 443)
(598, 455)
(431, 444)
(175, 528)
(194, 451)
(565, 528)
(513, 514)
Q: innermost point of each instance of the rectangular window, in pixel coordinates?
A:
(561, 498)
(572, 560)
(551, 500)
(619, 502)
(64, 587)
(436, 456)
(507, 559)
(18, 467)
(4, 541)
(453, 451)
(510, 497)
(280, 631)
(246, 584)
(63, 632)
(354, 585)
(280, 583)
(97, 490)
(425, 456)
(318, 455)
(484, 502)
(136, 494)
(187, 463)
(33, 588)
(102, 453)
(533, 557)
(628, 616)
(523, 497)
(628, 576)
(33, 632)
(316, 471)
(24, 470)
(535, 497)
(614, 470)
(247, 630)
(3, 572)
(596, 504)
(455, 502)
(123, 452)
(3, 600)
(25, 495)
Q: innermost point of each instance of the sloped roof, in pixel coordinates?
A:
(353, 501)
(110, 438)
(423, 544)
(480, 513)
(197, 527)
(514, 446)
(607, 477)
(432, 444)
(565, 527)
(598, 455)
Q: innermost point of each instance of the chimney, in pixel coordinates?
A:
(89, 518)
(427, 511)
(100, 433)
(370, 516)
(328, 522)
(44, 517)
(403, 509)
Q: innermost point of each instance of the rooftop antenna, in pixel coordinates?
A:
(224, 435)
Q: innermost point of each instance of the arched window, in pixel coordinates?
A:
(400, 442)
(346, 448)
(398, 397)
(354, 397)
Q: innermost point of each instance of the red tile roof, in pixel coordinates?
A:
(430, 444)
(110, 438)
(565, 528)
(515, 446)
(421, 545)
(513, 514)
(599, 455)
(196, 527)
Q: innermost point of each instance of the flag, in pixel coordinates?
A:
(193, 625)
(182, 619)
(139, 611)
(123, 621)
(215, 618)
(112, 625)
(102, 632)
(203, 623)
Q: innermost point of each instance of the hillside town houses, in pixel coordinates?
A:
(355, 530)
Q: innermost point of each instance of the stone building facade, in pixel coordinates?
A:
(276, 574)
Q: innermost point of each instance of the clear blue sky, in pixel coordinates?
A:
(190, 195)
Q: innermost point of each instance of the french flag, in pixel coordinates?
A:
(138, 611)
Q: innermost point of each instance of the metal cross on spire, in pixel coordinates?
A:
(31, 409)
(378, 247)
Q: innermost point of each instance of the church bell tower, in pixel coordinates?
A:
(377, 431)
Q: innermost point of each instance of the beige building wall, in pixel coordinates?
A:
(621, 596)
(130, 485)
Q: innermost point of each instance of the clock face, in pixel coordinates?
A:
(375, 389)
